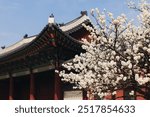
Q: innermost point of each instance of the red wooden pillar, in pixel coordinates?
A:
(57, 85)
(57, 80)
(11, 86)
(32, 89)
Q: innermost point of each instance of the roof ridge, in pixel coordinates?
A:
(74, 23)
(18, 44)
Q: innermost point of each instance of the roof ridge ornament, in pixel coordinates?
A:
(25, 36)
(52, 15)
(3, 47)
(84, 13)
(51, 19)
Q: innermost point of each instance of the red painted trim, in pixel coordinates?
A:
(52, 36)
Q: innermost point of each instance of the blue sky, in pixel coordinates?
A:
(18, 17)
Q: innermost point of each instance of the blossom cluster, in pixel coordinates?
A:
(118, 52)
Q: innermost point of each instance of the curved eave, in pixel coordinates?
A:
(22, 45)
(71, 39)
(67, 29)
(17, 46)
(75, 24)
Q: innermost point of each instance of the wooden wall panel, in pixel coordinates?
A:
(44, 85)
(21, 88)
(4, 89)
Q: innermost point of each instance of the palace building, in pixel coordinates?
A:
(27, 68)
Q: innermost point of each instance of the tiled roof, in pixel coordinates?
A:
(16, 46)
(74, 23)
(25, 41)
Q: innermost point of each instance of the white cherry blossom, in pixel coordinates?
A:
(117, 56)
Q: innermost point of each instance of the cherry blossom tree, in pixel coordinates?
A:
(117, 56)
